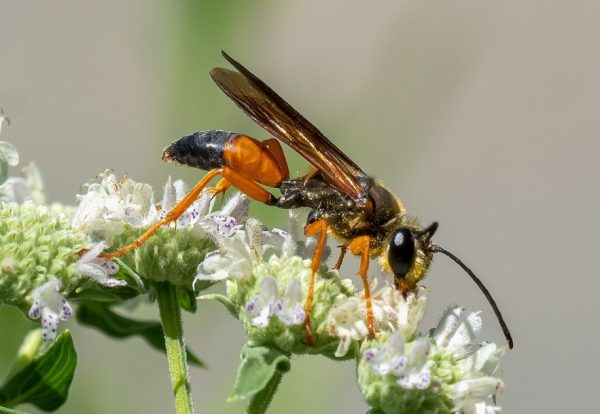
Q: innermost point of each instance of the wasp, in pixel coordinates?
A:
(344, 201)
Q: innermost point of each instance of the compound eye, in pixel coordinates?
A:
(401, 252)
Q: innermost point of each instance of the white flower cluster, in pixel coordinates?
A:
(414, 364)
(104, 212)
(268, 303)
(347, 319)
(409, 367)
(111, 204)
(447, 365)
(240, 247)
(457, 333)
(242, 257)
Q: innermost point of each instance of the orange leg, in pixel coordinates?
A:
(172, 215)
(246, 185)
(275, 149)
(221, 186)
(360, 246)
(317, 227)
(338, 264)
(242, 183)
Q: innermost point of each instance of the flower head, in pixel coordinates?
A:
(37, 245)
(440, 370)
(110, 205)
(391, 311)
(238, 250)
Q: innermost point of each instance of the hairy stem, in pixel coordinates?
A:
(260, 401)
(170, 316)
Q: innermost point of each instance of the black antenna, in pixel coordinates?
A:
(438, 249)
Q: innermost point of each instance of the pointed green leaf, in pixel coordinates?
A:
(100, 316)
(224, 300)
(260, 364)
(45, 380)
(5, 410)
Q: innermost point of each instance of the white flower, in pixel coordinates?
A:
(268, 303)
(21, 189)
(410, 368)
(233, 260)
(289, 309)
(457, 333)
(347, 321)
(263, 306)
(51, 306)
(97, 268)
(111, 204)
(391, 311)
(238, 250)
(174, 192)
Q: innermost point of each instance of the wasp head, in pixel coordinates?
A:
(409, 255)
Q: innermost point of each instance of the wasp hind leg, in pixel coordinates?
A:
(245, 185)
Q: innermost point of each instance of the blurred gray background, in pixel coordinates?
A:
(481, 115)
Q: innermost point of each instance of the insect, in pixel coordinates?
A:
(343, 200)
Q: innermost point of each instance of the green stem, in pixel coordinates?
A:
(170, 316)
(260, 401)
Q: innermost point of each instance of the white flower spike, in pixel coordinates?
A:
(51, 306)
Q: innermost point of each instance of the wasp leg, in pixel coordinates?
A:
(172, 215)
(317, 227)
(242, 183)
(343, 250)
(247, 186)
(221, 186)
(360, 246)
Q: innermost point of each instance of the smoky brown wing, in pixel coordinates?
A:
(280, 119)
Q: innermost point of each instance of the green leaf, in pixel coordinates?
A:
(224, 301)
(101, 317)
(5, 410)
(186, 299)
(43, 382)
(260, 364)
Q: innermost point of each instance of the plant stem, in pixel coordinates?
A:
(261, 400)
(170, 316)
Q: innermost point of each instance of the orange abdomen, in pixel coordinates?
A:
(254, 160)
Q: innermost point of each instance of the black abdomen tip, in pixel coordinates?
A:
(202, 149)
